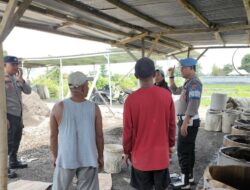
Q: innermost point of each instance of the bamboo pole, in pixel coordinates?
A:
(3, 127)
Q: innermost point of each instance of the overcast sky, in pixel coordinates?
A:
(30, 43)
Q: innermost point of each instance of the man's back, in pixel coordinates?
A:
(77, 141)
(149, 114)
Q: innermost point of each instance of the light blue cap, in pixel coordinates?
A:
(188, 62)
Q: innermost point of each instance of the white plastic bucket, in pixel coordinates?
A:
(218, 101)
(113, 158)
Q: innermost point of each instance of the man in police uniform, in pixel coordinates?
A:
(14, 86)
(188, 119)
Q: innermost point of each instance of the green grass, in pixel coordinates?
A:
(232, 90)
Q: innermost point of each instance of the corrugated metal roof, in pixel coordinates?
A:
(112, 21)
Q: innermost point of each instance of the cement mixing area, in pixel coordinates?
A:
(163, 30)
(222, 147)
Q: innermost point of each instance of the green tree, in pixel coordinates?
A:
(216, 71)
(245, 63)
(228, 68)
(51, 80)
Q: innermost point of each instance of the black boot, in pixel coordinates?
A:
(11, 173)
(18, 165)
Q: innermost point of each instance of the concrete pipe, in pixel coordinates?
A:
(245, 115)
(236, 141)
(213, 120)
(113, 158)
(228, 119)
(241, 122)
(241, 130)
(234, 156)
(218, 101)
(227, 177)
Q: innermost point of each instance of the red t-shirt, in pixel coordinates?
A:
(149, 128)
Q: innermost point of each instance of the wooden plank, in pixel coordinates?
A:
(15, 18)
(3, 127)
(131, 39)
(7, 17)
(25, 185)
(139, 14)
(76, 21)
(219, 37)
(202, 54)
(95, 12)
(158, 36)
(247, 8)
(190, 8)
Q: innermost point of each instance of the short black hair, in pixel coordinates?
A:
(144, 68)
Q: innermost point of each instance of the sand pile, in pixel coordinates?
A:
(34, 109)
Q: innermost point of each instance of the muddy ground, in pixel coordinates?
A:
(35, 150)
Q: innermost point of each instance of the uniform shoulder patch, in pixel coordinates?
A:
(194, 90)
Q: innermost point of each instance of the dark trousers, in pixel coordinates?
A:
(186, 147)
(14, 136)
(148, 180)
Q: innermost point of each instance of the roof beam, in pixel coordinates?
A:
(45, 28)
(134, 38)
(75, 21)
(158, 36)
(247, 8)
(190, 8)
(7, 18)
(96, 12)
(163, 43)
(219, 37)
(135, 12)
(194, 12)
(227, 28)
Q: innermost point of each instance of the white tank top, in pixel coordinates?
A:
(77, 139)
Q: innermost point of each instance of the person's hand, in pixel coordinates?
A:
(171, 71)
(126, 158)
(53, 161)
(171, 151)
(184, 130)
(19, 75)
(100, 163)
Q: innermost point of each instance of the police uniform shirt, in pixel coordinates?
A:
(190, 95)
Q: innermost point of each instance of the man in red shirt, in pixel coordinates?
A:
(149, 130)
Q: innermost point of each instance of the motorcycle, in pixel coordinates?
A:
(117, 95)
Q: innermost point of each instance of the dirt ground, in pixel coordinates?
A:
(35, 150)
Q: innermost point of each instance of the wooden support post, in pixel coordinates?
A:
(142, 47)
(219, 37)
(14, 18)
(202, 54)
(175, 58)
(7, 18)
(247, 8)
(188, 53)
(158, 36)
(3, 127)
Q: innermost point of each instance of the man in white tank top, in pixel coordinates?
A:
(76, 138)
